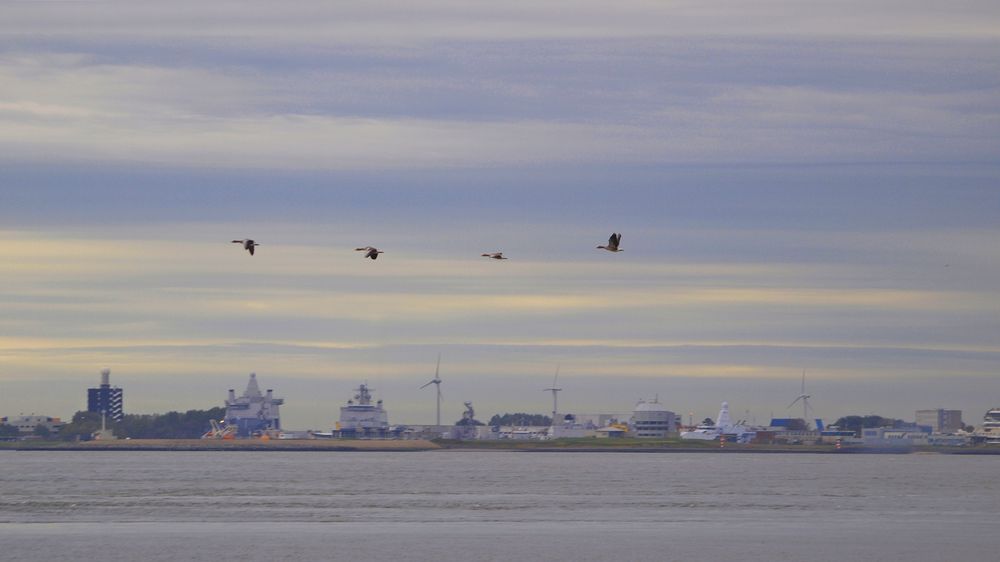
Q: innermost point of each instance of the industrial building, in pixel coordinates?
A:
(106, 400)
(27, 424)
(253, 412)
(651, 419)
(940, 420)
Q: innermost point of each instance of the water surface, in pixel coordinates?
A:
(486, 505)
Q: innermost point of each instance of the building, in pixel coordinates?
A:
(651, 419)
(27, 424)
(567, 426)
(253, 412)
(893, 437)
(940, 420)
(105, 399)
(523, 433)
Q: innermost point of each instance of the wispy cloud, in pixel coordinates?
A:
(799, 185)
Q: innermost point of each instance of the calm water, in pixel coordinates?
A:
(466, 505)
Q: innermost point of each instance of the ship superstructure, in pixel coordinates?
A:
(253, 412)
(990, 430)
(723, 426)
(360, 418)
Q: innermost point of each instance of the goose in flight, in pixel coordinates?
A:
(370, 252)
(248, 244)
(613, 243)
(495, 255)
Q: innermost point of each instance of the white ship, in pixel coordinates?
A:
(990, 430)
(723, 426)
(360, 418)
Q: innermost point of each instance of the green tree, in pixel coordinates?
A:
(520, 419)
(171, 425)
(82, 426)
(857, 423)
(43, 431)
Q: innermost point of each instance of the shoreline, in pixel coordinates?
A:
(362, 445)
(283, 445)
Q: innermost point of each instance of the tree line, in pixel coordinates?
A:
(520, 419)
(191, 424)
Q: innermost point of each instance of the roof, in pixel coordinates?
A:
(644, 406)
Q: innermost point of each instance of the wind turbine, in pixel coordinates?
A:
(437, 380)
(555, 396)
(805, 401)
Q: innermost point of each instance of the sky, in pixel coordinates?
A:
(801, 187)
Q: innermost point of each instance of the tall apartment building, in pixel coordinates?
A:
(940, 420)
(106, 399)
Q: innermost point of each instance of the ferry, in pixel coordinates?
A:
(990, 430)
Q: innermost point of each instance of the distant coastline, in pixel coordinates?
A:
(567, 446)
(277, 445)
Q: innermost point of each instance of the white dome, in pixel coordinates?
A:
(649, 407)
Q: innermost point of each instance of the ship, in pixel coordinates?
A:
(361, 419)
(989, 433)
(723, 426)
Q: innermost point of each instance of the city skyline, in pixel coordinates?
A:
(797, 188)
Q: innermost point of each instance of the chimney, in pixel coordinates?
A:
(105, 377)
(232, 396)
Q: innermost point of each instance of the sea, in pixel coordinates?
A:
(463, 505)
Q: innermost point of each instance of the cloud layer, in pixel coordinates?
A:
(799, 187)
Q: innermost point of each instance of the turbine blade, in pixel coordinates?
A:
(428, 384)
(793, 402)
(555, 378)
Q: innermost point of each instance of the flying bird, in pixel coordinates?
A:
(495, 255)
(613, 243)
(248, 244)
(370, 252)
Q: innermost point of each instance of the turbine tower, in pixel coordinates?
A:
(437, 380)
(555, 396)
(805, 401)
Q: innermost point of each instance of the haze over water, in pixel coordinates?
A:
(468, 505)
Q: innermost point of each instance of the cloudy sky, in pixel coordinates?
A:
(800, 186)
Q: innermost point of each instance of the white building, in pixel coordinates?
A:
(523, 432)
(889, 437)
(569, 427)
(27, 424)
(651, 419)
